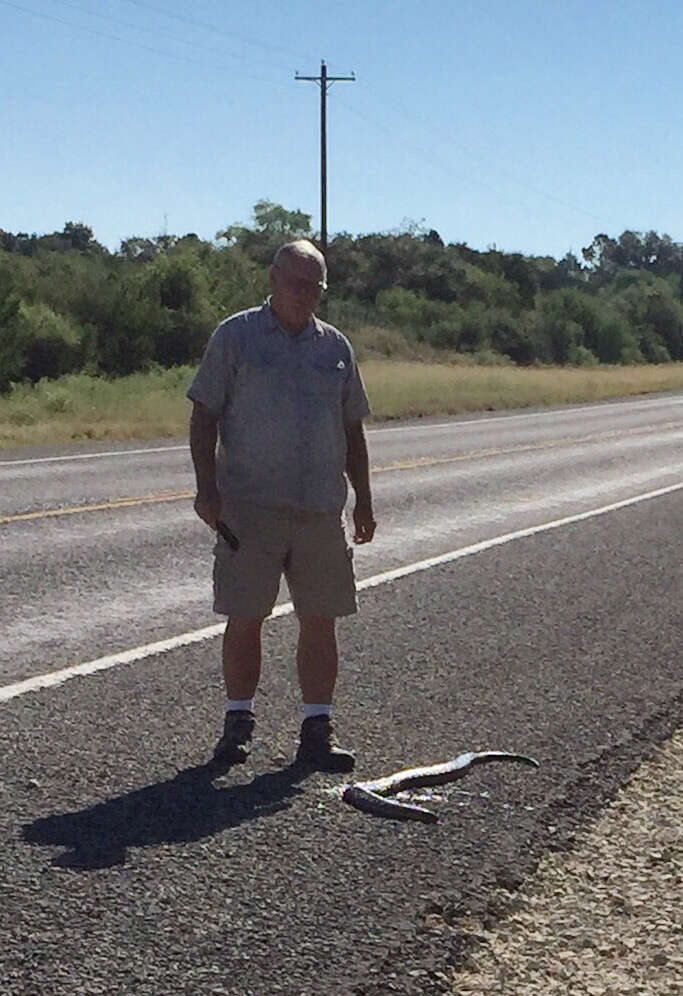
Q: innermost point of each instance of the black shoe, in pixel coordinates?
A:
(318, 748)
(234, 746)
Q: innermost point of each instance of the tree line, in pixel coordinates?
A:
(67, 304)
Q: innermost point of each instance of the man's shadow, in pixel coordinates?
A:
(184, 808)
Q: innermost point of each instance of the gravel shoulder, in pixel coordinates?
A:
(605, 916)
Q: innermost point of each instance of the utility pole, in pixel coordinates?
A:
(324, 81)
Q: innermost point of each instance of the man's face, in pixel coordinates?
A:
(297, 284)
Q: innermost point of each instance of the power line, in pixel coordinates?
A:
(479, 160)
(214, 28)
(128, 41)
(473, 157)
(162, 34)
(425, 157)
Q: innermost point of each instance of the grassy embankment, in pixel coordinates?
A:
(403, 380)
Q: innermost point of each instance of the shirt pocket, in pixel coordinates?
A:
(326, 379)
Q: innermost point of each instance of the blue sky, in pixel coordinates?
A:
(525, 124)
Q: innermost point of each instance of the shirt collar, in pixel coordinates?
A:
(273, 324)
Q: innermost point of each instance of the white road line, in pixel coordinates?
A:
(464, 424)
(428, 427)
(93, 456)
(209, 632)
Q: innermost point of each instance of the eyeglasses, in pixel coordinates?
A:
(301, 283)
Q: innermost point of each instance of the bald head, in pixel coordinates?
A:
(300, 249)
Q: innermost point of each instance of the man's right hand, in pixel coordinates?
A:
(207, 505)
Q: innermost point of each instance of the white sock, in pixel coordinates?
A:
(319, 709)
(245, 705)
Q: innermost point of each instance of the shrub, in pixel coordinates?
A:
(11, 346)
(442, 335)
(489, 358)
(408, 309)
(510, 340)
(49, 342)
(658, 353)
(58, 401)
(475, 329)
(581, 356)
(630, 355)
(612, 337)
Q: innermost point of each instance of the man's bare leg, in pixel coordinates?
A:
(242, 657)
(317, 659)
(241, 670)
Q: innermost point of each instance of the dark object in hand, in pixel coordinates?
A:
(228, 535)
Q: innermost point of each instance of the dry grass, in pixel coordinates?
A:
(401, 389)
(153, 405)
(78, 407)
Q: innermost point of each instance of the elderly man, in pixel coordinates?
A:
(283, 392)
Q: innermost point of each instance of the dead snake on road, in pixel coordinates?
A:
(370, 796)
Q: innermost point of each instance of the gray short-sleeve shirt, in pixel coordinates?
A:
(283, 402)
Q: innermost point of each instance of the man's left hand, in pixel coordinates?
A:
(364, 524)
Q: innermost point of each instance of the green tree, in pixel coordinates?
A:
(272, 226)
(652, 307)
(80, 237)
(49, 342)
(12, 355)
(138, 249)
(176, 287)
(409, 309)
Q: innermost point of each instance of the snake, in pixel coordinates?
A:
(370, 797)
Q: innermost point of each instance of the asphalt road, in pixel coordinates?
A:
(79, 586)
(126, 869)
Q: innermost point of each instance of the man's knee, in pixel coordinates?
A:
(321, 625)
(244, 625)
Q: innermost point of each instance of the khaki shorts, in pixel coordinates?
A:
(309, 549)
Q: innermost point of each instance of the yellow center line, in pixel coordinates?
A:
(414, 464)
(530, 447)
(52, 513)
